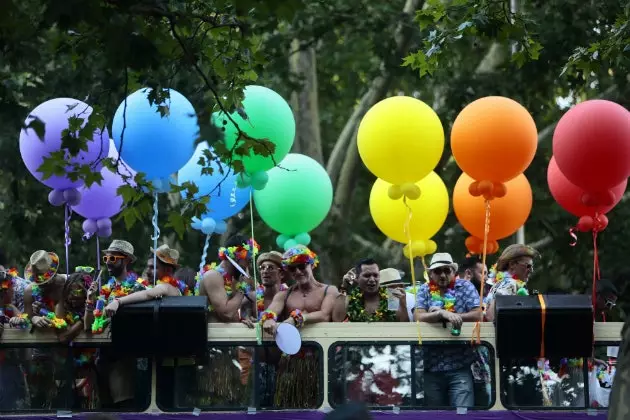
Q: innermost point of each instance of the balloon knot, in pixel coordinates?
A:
(488, 189)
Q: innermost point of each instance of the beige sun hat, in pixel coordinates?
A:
(167, 255)
(122, 247)
(42, 267)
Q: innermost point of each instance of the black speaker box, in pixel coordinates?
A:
(568, 328)
(175, 326)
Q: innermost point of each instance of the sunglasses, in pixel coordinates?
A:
(442, 270)
(112, 258)
(296, 267)
(526, 265)
(84, 269)
(610, 303)
(267, 268)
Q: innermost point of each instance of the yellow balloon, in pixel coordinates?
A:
(400, 139)
(429, 211)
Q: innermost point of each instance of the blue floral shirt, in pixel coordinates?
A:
(451, 356)
(19, 284)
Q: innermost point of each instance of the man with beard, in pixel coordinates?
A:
(306, 302)
(117, 375)
(167, 284)
(367, 301)
(448, 378)
(225, 285)
(472, 270)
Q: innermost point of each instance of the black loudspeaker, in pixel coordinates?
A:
(175, 326)
(568, 326)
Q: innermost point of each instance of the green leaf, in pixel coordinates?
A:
(38, 126)
(177, 222)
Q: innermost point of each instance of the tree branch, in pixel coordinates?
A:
(378, 89)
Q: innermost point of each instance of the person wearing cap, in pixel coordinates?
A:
(228, 284)
(167, 285)
(447, 374)
(510, 275)
(391, 278)
(272, 275)
(307, 301)
(46, 287)
(367, 301)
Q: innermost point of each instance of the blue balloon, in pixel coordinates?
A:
(225, 201)
(158, 146)
(208, 225)
(221, 227)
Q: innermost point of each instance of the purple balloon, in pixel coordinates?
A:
(55, 197)
(104, 224)
(54, 114)
(89, 226)
(72, 196)
(102, 201)
(105, 233)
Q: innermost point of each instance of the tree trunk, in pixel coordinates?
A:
(303, 64)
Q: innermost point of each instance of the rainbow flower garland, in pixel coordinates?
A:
(7, 283)
(260, 297)
(112, 290)
(506, 276)
(242, 252)
(178, 284)
(356, 308)
(300, 255)
(445, 301)
(45, 303)
(199, 276)
(43, 278)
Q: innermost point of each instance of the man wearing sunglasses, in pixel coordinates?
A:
(307, 301)
(447, 374)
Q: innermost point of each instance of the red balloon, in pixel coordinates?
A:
(591, 144)
(573, 198)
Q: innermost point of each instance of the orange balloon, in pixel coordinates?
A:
(494, 139)
(507, 214)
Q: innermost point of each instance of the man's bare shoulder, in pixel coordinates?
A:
(213, 278)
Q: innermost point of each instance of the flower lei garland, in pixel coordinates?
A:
(260, 297)
(504, 275)
(300, 255)
(178, 284)
(445, 301)
(241, 252)
(43, 278)
(356, 308)
(7, 283)
(112, 290)
(45, 303)
(200, 274)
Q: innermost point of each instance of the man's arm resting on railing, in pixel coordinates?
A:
(68, 334)
(423, 316)
(340, 308)
(324, 313)
(472, 316)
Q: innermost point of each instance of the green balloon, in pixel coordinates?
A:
(264, 115)
(298, 196)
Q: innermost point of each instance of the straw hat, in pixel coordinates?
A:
(442, 259)
(45, 264)
(167, 255)
(122, 247)
(513, 252)
(390, 277)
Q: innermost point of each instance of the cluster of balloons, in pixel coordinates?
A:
(401, 140)
(296, 200)
(55, 115)
(493, 140)
(143, 141)
(589, 170)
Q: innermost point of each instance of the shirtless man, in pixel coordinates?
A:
(272, 275)
(167, 284)
(224, 285)
(306, 302)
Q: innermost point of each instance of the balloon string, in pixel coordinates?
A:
(573, 236)
(98, 254)
(486, 231)
(596, 273)
(412, 269)
(256, 285)
(204, 253)
(156, 234)
(68, 241)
